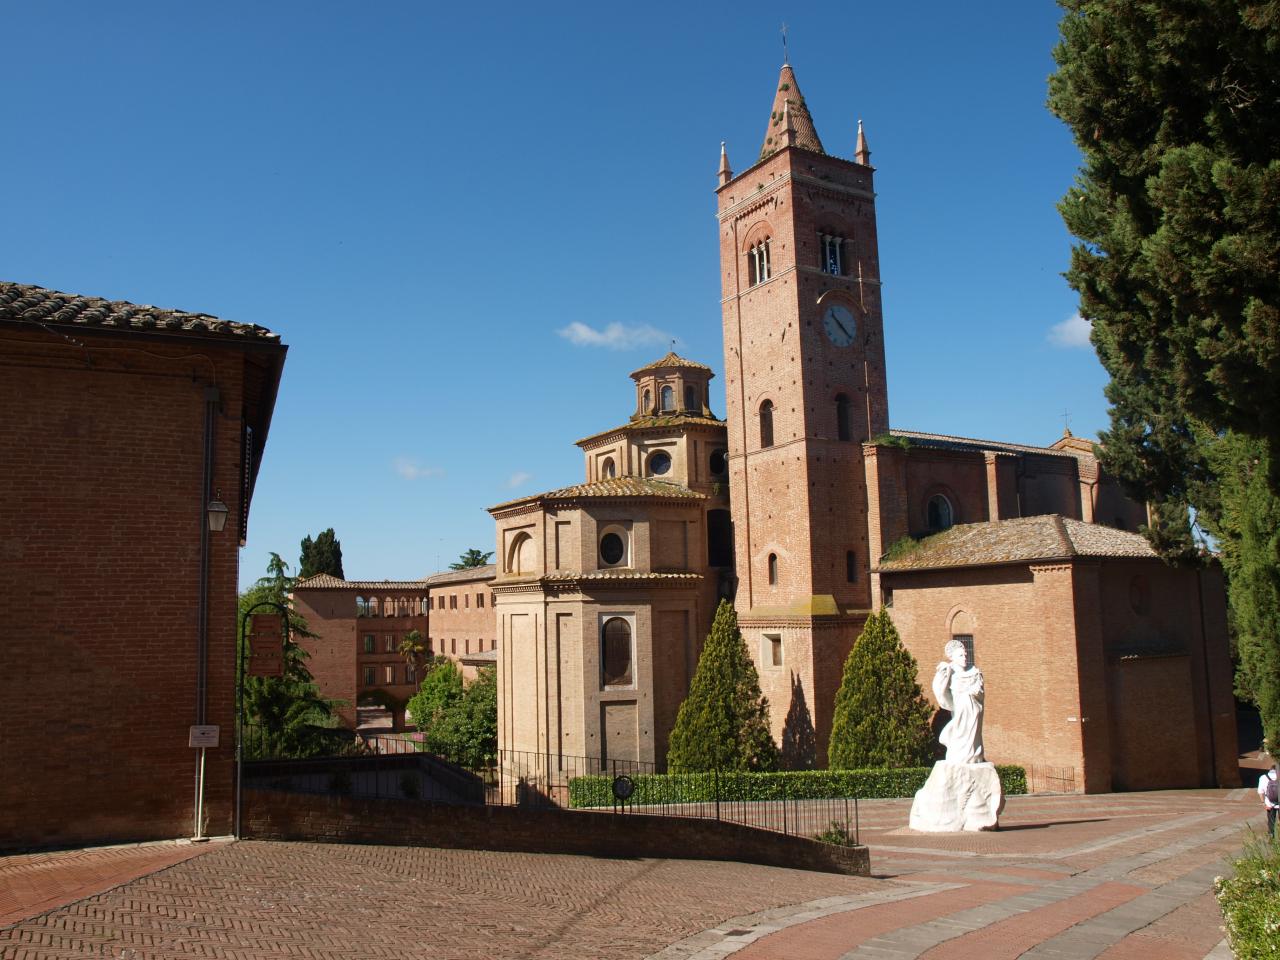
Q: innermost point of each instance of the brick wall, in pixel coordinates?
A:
(101, 506)
(274, 815)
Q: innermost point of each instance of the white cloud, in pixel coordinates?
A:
(412, 470)
(519, 478)
(1071, 334)
(616, 336)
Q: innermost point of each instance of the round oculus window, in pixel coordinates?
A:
(719, 461)
(659, 463)
(612, 549)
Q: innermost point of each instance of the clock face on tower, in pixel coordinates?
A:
(839, 324)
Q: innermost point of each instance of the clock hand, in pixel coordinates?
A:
(841, 325)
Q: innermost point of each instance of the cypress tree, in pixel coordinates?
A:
(724, 722)
(881, 717)
(321, 555)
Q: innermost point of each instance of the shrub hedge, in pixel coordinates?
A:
(1250, 901)
(652, 788)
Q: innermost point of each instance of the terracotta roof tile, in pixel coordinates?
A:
(487, 572)
(942, 441)
(1024, 540)
(672, 359)
(613, 487)
(790, 101)
(622, 575)
(658, 422)
(21, 302)
(326, 581)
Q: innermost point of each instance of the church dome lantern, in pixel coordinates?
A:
(672, 386)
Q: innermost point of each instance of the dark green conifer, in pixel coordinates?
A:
(724, 722)
(881, 717)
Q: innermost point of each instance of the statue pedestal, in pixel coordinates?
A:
(958, 796)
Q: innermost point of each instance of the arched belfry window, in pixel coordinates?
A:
(940, 515)
(832, 254)
(615, 653)
(758, 267)
(646, 405)
(691, 399)
(843, 429)
(608, 469)
(668, 399)
(766, 424)
(773, 569)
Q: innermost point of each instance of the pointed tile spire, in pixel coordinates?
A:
(863, 153)
(724, 173)
(789, 109)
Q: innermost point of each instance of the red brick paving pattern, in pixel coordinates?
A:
(33, 883)
(1011, 938)
(830, 937)
(255, 899)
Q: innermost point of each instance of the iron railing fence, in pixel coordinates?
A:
(397, 766)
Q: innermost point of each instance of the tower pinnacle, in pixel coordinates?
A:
(789, 110)
(862, 154)
(724, 173)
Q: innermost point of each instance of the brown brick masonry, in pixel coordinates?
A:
(276, 815)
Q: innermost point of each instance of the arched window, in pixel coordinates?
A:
(362, 609)
(766, 424)
(520, 555)
(659, 464)
(668, 399)
(758, 267)
(373, 607)
(615, 653)
(719, 463)
(719, 538)
(851, 566)
(646, 405)
(773, 569)
(843, 432)
(940, 516)
(691, 399)
(608, 469)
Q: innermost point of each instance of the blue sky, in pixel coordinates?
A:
(425, 199)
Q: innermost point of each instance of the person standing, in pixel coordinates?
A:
(1269, 791)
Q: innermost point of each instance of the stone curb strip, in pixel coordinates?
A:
(732, 935)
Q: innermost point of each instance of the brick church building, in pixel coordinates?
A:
(1105, 668)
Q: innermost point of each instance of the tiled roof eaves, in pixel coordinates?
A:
(671, 360)
(942, 441)
(637, 426)
(324, 581)
(893, 567)
(643, 488)
(486, 572)
(30, 305)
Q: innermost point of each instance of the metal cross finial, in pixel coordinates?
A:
(1066, 421)
(786, 58)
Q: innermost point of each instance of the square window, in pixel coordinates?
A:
(368, 676)
(967, 640)
(773, 649)
(390, 674)
(368, 643)
(480, 601)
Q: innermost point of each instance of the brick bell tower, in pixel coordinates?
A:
(805, 385)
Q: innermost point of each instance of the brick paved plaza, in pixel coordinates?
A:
(1114, 876)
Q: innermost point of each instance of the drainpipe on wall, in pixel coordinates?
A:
(211, 401)
(1208, 684)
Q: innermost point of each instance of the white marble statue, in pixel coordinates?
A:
(963, 791)
(958, 686)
